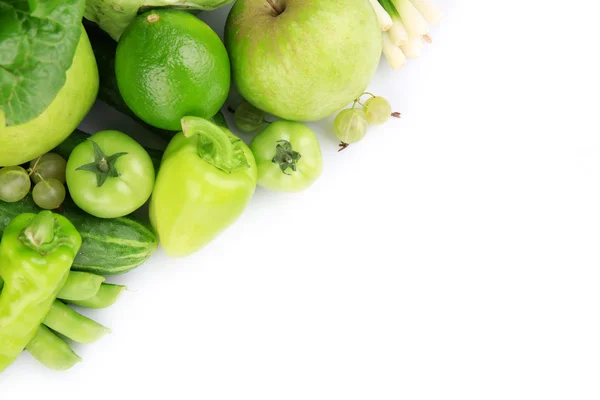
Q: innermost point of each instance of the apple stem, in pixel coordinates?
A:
(276, 9)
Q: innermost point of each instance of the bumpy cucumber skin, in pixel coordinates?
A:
(109, 246)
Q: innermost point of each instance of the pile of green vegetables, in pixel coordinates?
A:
(73, 205)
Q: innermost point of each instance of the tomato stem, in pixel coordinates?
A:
(285, 156)
(103, 166)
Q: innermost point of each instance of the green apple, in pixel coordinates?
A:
(302, 60)
(22, 143)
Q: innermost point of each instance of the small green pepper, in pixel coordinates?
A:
(206, 179)
(36, 254)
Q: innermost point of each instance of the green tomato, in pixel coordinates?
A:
(110, 175)
(288, 156)
(206, 179)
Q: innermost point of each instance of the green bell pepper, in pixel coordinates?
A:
(36, 254)
(206, 179)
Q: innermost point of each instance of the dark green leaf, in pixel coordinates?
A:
(38, 40)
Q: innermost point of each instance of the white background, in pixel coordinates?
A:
(452, 254)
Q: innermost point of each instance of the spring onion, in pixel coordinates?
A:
(398, 33)
(414, 22)
(428, 10)
(385, 21)
(408, 32)
(413, 48)
(393, 54)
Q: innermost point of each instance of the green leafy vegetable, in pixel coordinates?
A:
(113, 16)
(37, 45)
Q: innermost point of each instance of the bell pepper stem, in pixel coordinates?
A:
(214, 145)
(41, 229)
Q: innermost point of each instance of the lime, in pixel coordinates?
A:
(169, 64)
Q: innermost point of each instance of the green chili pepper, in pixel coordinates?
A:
(206, 179)
(37, 252)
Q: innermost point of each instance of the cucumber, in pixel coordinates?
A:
(66, 147)
(104, 48)
(109, 246)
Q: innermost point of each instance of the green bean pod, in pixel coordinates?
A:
(51, 351)
(106, 297)
(80, 286)
(73, 325)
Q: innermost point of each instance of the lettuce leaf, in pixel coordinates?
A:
(113, 16)
(38, 40)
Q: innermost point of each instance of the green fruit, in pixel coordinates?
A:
(14, 183)
(169, 64)
(377, 110)
(110, 175)
(49, 194)
(248, 118)
(22, 143)
(206, 180)
(288, 156)
(302, 60)
(350, 125)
